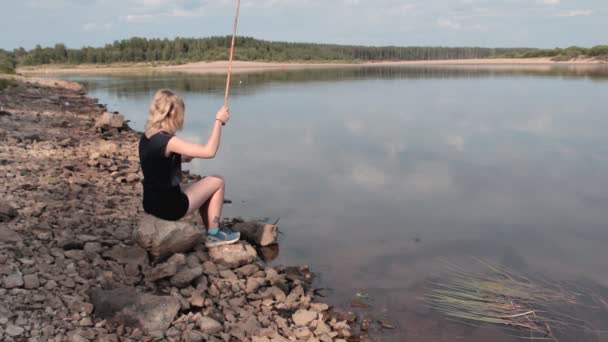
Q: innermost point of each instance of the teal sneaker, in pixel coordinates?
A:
(224, 236)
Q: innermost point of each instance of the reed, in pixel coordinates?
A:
(497, 296)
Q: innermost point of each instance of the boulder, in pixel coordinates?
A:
(233, 255)
(257, 233)
(126, 306)
(109, 120)
(163, 238)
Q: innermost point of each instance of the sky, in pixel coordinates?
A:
(487, 23)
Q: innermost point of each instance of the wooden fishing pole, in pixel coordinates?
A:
(236, 20)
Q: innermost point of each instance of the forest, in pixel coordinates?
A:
(183, 50)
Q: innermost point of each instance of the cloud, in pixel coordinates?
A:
(575, 13)
(448, 24)
(548, 2)
(149, 10)
(97, 26)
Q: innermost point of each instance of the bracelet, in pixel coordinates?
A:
(223, 123)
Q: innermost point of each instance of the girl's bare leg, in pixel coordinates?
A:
(207, 196)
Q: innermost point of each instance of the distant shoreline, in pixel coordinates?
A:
(220, 67)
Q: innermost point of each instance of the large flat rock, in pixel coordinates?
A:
(163, 238)
(130, 308)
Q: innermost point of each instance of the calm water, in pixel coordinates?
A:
(377, 173)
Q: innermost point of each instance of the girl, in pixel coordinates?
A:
(160, 156)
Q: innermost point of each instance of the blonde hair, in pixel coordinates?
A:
(165, 102)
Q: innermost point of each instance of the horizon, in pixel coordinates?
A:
(538, 24)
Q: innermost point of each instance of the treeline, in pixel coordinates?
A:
(599, 51)
(180, 50)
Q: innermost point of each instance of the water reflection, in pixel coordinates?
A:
(509, 165)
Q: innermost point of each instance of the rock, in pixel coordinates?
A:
(302, 332)
(303, 317)
(13, 330)
(210, 268)
(13, 280)
(31, 281)
(7, 213)
(275, 293)
(162, 238)
(104, 148)
(322, 328)
(128, 255)
(253, 284)
(247, 270)
(126, 306)
(257, 233)
(234, 255)
(209, 326)
(75, 254)
(161, 271)
(185, 276)
(76, 305)
(9, 235)
(110, 120)
(246, 328)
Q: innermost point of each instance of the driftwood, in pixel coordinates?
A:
(257, 233)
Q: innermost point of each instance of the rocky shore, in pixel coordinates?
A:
(70, 269)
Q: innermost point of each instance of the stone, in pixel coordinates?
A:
(247, 270)
(75, 254)
(31, 281)
(257, 233)
(161, 271)
(163, 238)
(126, 306)
(9, 235)
(77, 305)
(322, 328)
(275, 293)
(246, 328)
(253, 284)
(128, 255)
(7, 213)
(209, 326)
(13, 280)
(303, 317)
(13, 330)
(302, 332)
(210, 268)
(233, 255)
(185, 276)
(110, 120)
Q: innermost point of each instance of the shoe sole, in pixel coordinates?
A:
(221, 243)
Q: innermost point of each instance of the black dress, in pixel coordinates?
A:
(163, 196)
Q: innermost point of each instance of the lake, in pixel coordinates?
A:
(380, 174)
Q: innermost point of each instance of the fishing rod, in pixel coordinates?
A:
(236, 20)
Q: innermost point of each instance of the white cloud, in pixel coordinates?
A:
(150, 10)
(575, 13)
(449, 24)
(548, 2)
(97, 26)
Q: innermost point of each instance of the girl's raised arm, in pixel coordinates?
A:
(208, 150)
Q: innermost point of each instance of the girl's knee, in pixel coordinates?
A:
(219, 179)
